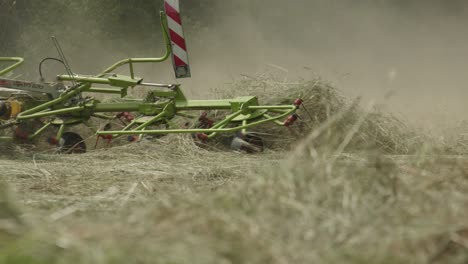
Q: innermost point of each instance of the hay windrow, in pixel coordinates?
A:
(167, 200)
(380, 130)
(11, 222)
(290, 213)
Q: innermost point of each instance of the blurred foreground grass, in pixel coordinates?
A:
(349, 186)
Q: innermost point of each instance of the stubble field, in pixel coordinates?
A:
(350, 184)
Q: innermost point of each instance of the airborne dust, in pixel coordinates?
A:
(410, 56)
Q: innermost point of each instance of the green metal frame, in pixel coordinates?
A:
(17, 62)
(62, 113)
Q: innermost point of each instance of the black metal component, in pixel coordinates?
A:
(47, 59)
(3, 108)
(72, 143)
(250, 143)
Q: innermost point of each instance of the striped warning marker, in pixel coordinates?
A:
(176, 33)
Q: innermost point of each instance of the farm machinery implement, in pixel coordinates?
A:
(28, 109)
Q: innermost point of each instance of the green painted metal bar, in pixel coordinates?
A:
(227, 119)
(17, 62)
(132, 72)
(105, 90)
(116, 107)
(6, 139)
(203, 105)
(171, 124)
(129, 125)
(278, 111)
(209, 130)
(185, 115)
(40, 130)
(140, 136)
(146, 60)
(223, 104)
(29, 114)
(126, 128)
(214, 134)
(271, 107)
(57, 112)
(102, 116)
(60, 131)
(152, 120)
(244, 124)
(86, 79)
(223, 123)
(274, 121)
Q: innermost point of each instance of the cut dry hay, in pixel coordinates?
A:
(169, 201)
(11, 223)
(378, 130)
(315, 208)
(381, 131)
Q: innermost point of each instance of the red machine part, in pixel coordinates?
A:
(105, 137)
(204, 121)
(132, 138)
(202, 137)
(125, 116)
(21, 134)
(291, 120)
(53, 141)
(298, 102)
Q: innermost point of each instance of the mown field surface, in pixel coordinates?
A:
(350, 185)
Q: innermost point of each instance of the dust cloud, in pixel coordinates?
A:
(410, 56)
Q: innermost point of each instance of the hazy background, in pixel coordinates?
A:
(414, 50)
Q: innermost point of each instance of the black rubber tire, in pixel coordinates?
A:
(72, 143)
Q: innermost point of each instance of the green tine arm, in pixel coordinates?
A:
(39, 131)
(28, 114)
(220, 128)
(33, 112)
(145, 60)
(18, 61)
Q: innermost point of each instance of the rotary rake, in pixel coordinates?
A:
(28, 109)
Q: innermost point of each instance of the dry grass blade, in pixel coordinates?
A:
(169, 201)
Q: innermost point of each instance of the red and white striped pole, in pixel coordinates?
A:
(179, 48)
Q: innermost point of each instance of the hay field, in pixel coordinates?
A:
(350, 184)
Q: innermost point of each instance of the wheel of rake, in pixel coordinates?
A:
(72, 143)
(250, 143)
